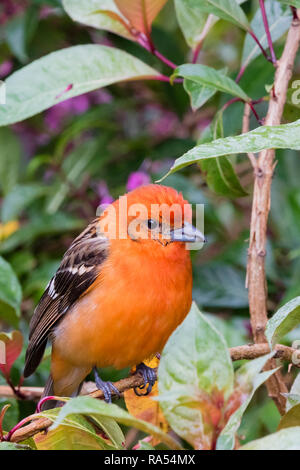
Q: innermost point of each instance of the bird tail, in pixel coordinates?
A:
(49, 392)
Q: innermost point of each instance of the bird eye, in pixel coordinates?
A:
(152, 224)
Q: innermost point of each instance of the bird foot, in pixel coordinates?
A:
(149, 376)
(106, 387)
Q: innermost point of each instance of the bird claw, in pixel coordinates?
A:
(149, 376)
(106, 387)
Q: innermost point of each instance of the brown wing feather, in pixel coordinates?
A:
(79, 268)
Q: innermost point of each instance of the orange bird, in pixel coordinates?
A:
(121, 289)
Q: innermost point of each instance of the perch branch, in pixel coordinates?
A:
(256, 279)
(38, 424)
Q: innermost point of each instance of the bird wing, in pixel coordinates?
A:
(79, 268)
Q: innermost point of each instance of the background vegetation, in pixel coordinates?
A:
(57, 166)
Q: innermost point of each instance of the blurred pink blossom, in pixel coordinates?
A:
(55, 116)
(136, 179)
(160, 122)
(5, 68)
(103, 193)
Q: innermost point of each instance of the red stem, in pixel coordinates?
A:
(164, 59)
(196, 52)
(260, 46)
(267, 29)
(294, 12)
(147, 44)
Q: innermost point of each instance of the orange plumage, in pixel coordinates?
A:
(137, 290)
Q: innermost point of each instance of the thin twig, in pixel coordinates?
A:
(256, 278)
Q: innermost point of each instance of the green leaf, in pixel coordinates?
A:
(264, 137)
(19, 198)
(90, 406)
(219, 173)
(74, 167)
(103, 15)
(195, 373)
(293, 398)
(64, 74)
(291, 418)
(293, 3)
(41, 225)
(247, 381)
(10, 154)
(279, 19)
(286, 439)
(199, 94)
(283, 321)
(191, 21)
(210, 77)
(13, 446)
(10, 293)
(228, 10)
(74, 433)
(220, 285)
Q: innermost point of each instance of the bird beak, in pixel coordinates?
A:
(187, 233)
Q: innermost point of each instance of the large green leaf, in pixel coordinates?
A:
(228, 10)
(75, 432)
(211, 78)
(93, 407)
(264, 137)
(66, 73)
(219, 173)
(10, 294)
(195, 375)
(103, 15)
(283, 321)
(286, 439)
(279, 19)
(10, 153)
(247, 381)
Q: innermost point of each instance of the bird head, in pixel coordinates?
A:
(150, 214)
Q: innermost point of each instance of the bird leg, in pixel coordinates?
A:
(106, 387)
(149, 376)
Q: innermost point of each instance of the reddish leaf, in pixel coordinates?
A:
(145, 408)
(10, 349)
(140, 13)
(2, 414)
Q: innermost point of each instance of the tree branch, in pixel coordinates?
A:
(256, 279)
(37, 424)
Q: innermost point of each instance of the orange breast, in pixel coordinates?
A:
(130, 311)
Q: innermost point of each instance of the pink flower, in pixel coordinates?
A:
(136, 179)
(5, 68)
(55, 116)
(103, 193)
